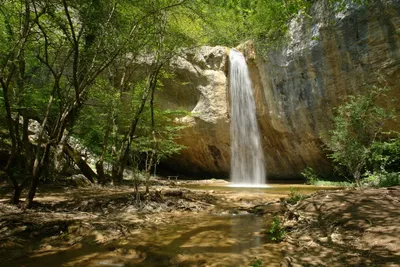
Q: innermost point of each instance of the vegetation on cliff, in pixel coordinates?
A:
(79, 86)
(90, 70)
(70, 68)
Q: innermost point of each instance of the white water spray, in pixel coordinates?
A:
(247, 157)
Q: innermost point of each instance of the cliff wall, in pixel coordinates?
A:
(326, 57)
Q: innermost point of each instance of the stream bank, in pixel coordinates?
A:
(201, 223)
(107, 226)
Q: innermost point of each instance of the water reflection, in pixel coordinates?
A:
(215, 241)
(191, 240)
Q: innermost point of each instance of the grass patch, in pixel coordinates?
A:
(295, 196)
(312, 178)
(334, 184)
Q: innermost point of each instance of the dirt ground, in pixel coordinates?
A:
(330, 228)
(345, 228)
(68, 218)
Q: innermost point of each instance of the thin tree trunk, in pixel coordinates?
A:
(26, 144)
(17, 134)
(36, 176)
(120, 165)
(38, 164)
(82, 165)
(10, 126)
(9, 120)
(154, 143)
(16, 195)
(99, 163)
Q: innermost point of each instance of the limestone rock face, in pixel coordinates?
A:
(199, 85)
(327, 56)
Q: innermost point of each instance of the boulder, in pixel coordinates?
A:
(79, 180)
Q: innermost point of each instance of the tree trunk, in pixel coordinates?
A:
(357, 177)
(99, 163)
(10, 126)
(16, 195)
(26, 144)
(120, 164)
(101, 177)
(154, 144)
(38, 167)
(13, 151)
(82, 165)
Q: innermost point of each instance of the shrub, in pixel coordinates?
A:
(313, 179)
(256, 263)
(356, 126)
(310, 175)
(382, 179)
(295, 196)
(276, 231)
(385, 154)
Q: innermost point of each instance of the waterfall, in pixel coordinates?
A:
(247, 157)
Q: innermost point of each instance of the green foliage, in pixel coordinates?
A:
(167, 132)
(334, 183)
(310, 175)
(356, 126)
(381, 179)
(256, 263)
(276, 232)
(385, 154)
(295, 196)
(232, 22)
(270, 20)
(312, 178)
(340, 5)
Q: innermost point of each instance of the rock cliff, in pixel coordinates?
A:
(199, 85)
(326, 57)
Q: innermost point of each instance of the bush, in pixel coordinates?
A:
(256, 263)
(310, 175)
(295, 196)
(385, 154)
(313, 179)
(356, 126)
(276, 231)
(382, 179)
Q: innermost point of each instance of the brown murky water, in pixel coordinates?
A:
(190, 239)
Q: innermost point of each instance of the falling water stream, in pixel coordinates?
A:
(247, 158)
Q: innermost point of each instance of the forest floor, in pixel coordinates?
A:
(345, 228)
(76, 219)
(110, 226)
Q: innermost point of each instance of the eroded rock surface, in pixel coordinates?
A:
(327, 56)
(199, 85)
